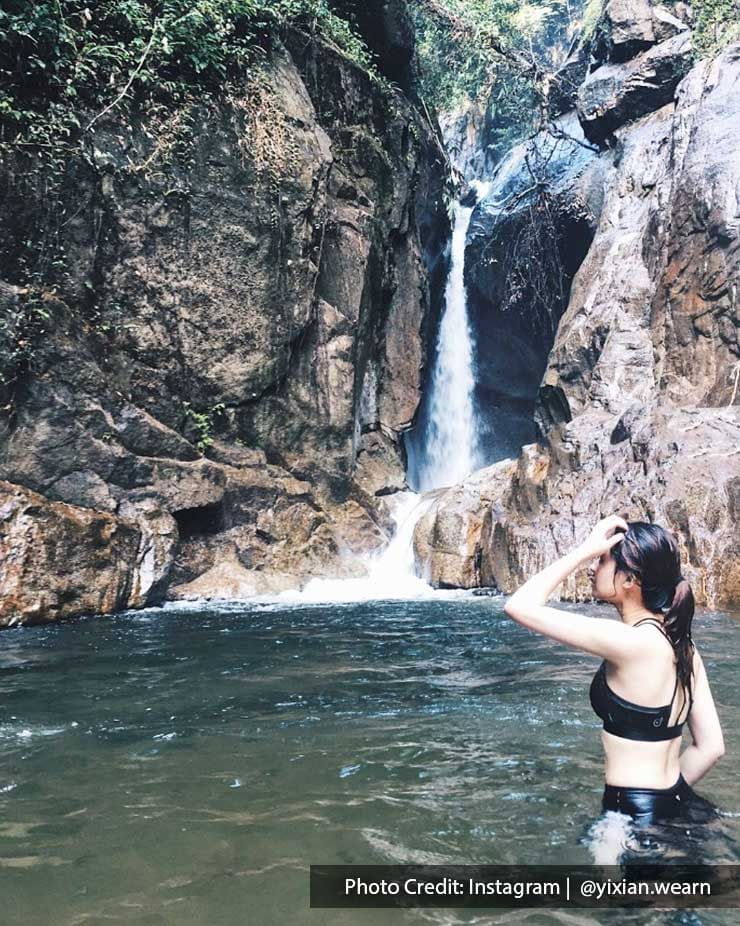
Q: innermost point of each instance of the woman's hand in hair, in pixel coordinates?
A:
(607, 533)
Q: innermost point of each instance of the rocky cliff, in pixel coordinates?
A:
(214, 398)
(215, 403)
(632, 393)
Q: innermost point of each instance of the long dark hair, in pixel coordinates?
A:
(651, 554)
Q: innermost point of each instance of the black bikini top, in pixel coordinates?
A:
(634, 721)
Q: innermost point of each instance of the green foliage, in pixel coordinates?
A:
(59, 55)
(454, 43)
(493, 52)
(716, 25)
(202, 424)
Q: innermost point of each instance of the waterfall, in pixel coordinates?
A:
(390, 574)
(449, 451)
(444, 451)
(450, 447)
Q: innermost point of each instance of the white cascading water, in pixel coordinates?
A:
(452, 442)
(391, 574)
(450, 453)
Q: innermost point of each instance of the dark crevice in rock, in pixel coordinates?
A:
(195, 522)
(527, 239)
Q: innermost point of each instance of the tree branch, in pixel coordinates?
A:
(125, 90)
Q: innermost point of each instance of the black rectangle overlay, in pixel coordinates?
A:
(514, 886)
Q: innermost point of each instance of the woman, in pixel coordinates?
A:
(649, 657)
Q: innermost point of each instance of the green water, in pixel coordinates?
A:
(185, 766)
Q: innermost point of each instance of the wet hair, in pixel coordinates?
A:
(650, 553)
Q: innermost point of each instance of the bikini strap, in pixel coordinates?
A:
(656, 623)
(675, 689)
(659, 625)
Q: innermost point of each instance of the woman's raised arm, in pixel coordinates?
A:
(607, 638)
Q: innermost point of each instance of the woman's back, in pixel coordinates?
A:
(640, 760)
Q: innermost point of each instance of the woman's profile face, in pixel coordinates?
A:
(603, 584)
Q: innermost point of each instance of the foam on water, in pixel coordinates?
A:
(390, 574)
(24, 732)
(609, 837)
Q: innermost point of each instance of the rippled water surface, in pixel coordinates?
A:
(185, 766)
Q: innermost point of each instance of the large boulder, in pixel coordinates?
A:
(448, 548)
(628, 27)
(59, 560)
(675, 467)
(526, 239)
(618, 93)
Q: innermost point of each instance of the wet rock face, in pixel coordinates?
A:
(448, 540)
(61, 560)
(260, 323)
(523, 248)
(463, 130)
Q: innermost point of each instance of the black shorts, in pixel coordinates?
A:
(656, 805)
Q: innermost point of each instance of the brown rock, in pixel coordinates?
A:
(379, 471)
(256, 313)
(676, 467)
(228, 579)
(447, 539)
(59, 561)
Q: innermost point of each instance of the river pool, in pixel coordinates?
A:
(184, 765)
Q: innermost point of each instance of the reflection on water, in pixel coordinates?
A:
(185, 766)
